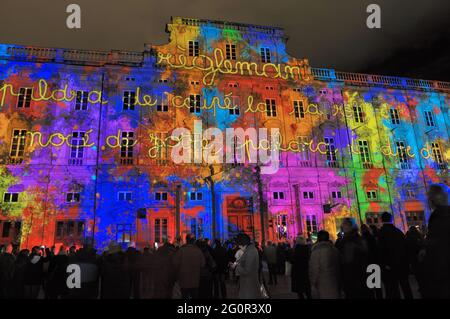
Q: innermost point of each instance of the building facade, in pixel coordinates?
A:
(86, 152)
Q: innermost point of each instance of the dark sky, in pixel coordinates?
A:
(414, 39)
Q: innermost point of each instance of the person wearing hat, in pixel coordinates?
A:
(247, 269)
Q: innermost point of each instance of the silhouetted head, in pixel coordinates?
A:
(242, 239)
(190, 239)
(348, 226)
(386, 218)
(323, 235)
(437, 196)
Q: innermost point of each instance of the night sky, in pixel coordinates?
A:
(414, 39)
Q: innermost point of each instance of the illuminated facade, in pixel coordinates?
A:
(82, 157)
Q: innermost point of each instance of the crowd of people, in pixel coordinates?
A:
(201, 268)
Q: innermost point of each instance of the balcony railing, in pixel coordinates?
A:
(70, 56)
(378, 80)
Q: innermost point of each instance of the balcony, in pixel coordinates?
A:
(367, 165)
(378, 80)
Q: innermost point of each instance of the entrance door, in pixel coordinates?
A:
(240, 216)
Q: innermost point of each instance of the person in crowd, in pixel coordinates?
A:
(260, 267)
(281, 259)
(219, 254)
(188, 261)
(147, 268)
(34, 273)
(354, 261)
(72, 254)
(324, 268)
(247, 269)
(414, 244)
(299, 273)
(20, 268)
(436, 256)
(133, 259)
(115, 280)
(368, 235)
(238, 254)
(57, 275)
(7, 267)
(393, 259)
(207, 271)
(270, 255)
(163, 271)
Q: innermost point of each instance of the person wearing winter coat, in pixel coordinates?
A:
(219, 254)
(299, 273)
(354, 256)
(393, 259)
(7, 267)
(436, 257)
(270, 255)
(247, 269)
(324, 268)
(57, 275)
(18, 281)
(207, 271)
(188, 262)
(34, 273)
(163, 272)
(115, 279)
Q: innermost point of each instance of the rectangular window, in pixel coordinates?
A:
(311, 224)
(395, 119)
(161, 196)
(163, 106)
(373, 219)
(336, 194)
(73, 197)
(24, 98)
(265, 55)
(358, 113)
(18, 143)
(81, 101)
(402, 156)
(429, 118)
(196, 196)
(194, 48)
(278, 195)
(126, 149)
(304, 157)
(372, 195)
(271, 108)
(299, 111)
(162, 148)
(364, 153)
(194, 103)
(330, 152)
(9, 197)
(230, 51)
(70, 229)
(410, 194)
(123, 233)
(160, 229)
(308, 195)
(415, 218)
(437, 154)
(6, 229)
(77, 148)
(234, 109)
(129, 100)
(124, 196)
